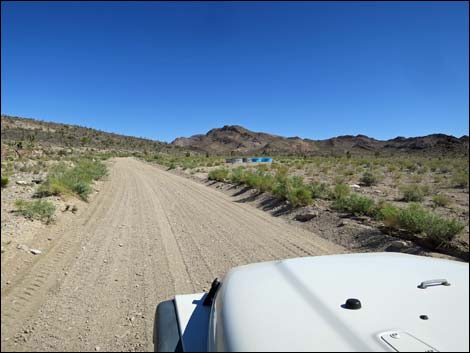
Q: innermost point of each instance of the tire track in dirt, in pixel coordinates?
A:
(147, 236)
(310, 245)
(42, 275)
(212, 210)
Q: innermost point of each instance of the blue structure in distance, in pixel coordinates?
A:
(250, 160)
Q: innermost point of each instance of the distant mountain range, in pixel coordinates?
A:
(228, 140)
(236, 140)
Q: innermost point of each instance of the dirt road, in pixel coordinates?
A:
(147, 235)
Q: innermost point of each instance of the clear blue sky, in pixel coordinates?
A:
(309, 69)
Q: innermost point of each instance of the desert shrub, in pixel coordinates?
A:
(438, 179)
(433, 165)
(280, 186)
(282, 172)
(82, 189)
(426, 190)
(237, 175)
(411, 166)
(76, 180)
(414, 193)
(55, 184)
(295, 182)
(319, 190)
(340, 179)
(440, 200)
(5, 181)
(300, 196)
(369, 178)
(39, 209)
(389, 215)
(260, 181)
(88, 170)
(416, 219)
(460, 180)
(416, 178)
(349, 172)
(292, 189)
(441, 231)
(356, 204)
(423, 170)
(218, 174)
(250, 179)
(361, 205)
(266, 182)
(413, 218)
(340, 191)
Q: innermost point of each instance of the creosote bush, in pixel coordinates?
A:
(260, 181)
(292, 189)
(300, 197)
(73, 180)
(390, 216)
(356, 204)
(460, 180)
(218, 174)
(416, 219)
(237, 175)
(369, 178)
(319, 190)
(440, 200)
(39, 209)
(341, 191)
(414, 192)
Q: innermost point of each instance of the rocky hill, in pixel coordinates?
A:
(25, 130)
(236, 140)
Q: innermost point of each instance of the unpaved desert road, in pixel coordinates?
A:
(146, 236)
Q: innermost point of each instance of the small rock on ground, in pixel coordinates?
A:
(397, 246)
(306, 216)
(22, 247)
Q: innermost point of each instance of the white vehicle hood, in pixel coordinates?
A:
(296, 305)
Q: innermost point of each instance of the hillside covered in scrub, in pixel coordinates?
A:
(25, 130)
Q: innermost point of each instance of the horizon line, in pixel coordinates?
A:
(236, 125)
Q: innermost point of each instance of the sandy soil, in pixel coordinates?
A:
(146, 236)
